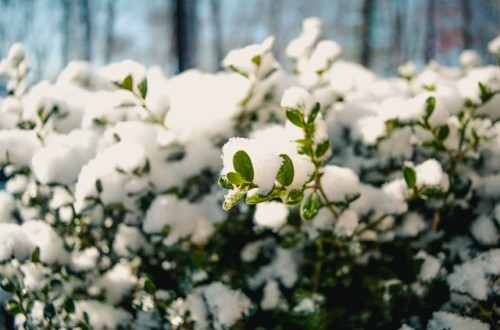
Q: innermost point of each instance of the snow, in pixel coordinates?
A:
(243, 59)
(17, 147)
(113, 168)
(430, 267)
(446, 320)
(305, 306)
(14, 242)
(494, 46)
(430, 173)
(7, 207)
(484, 231)
(101, 315)
(282, 268)
(223, 305)
(128, 241)
(389, 199)
(347, 223)
(472, 277)
(339, 182)
(34, 276)
(302, 46)
(183, 219)
(84, 260)
(265, 161)
(10, 110)
(297, 98)
(211, 112)
(271, 214)
(469, 59)
(271, 295)
(42, 235)
(117, 283)
(413, 224)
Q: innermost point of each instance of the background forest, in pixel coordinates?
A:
(176, 35)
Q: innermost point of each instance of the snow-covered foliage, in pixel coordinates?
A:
(325, 198)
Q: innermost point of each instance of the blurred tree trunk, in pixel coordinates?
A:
(185, 33)
(85, 19)
(110, 22)
(65, 28)
(430, 35)
(467, 16)
(217, 30)
(398, 33)
(366, 29)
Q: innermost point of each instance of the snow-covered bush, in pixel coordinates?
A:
(342, 199)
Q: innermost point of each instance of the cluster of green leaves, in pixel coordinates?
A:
(240, 182)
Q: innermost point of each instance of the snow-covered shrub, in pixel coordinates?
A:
(342, 199)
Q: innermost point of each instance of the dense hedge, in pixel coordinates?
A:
(342, 200)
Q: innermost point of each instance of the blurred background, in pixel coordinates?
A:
(179, 34)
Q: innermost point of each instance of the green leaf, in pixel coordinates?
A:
(290, 240)
(255, 197)
(234, 178)
(98, 186)
(149, 286)
(295, 117)
(431, 105)
(127, 83)
(143, 88)
(256, 59)
(35, 256)
(243, 165)
(410, 177)
(485, 93)
(69, 305)
(475, 137)
(286, 172)
(294, 197)
(314, 113)
(165, 230)
(7, 285)
(224, 182)
(236, 70)
(232, 198)
(13, 307)
(322, 148)
(310, 206)
(442, 132)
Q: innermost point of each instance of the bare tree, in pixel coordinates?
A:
(109, 30)
(85, 18)
(185, 33)
(217, 30)
(466, 23)
(430, 35)
(65, 29)
(366, 29)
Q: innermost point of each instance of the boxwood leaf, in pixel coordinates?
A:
(234, 178)
(143, 88)
(295, 117)
(310, 206)
(322, 148)
(431, 104)
(243, 165)
(314, 113)
(225, 183)
(13, 307)
(232, 198)
(286, 172)
(49, 311)
(127, 83)
(410, 176)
